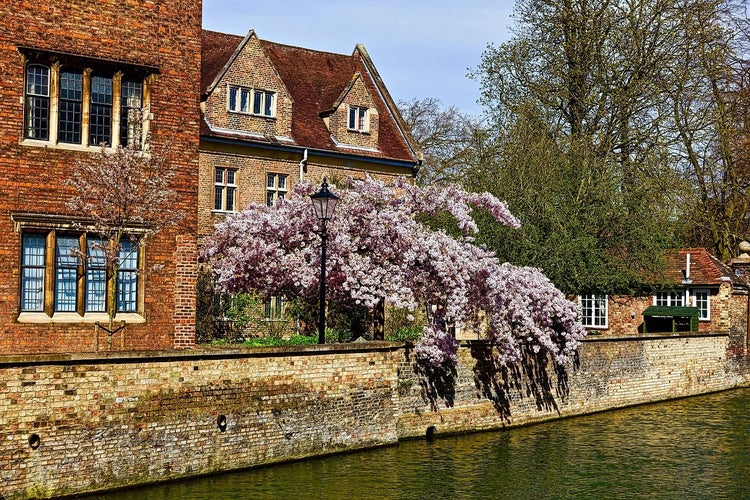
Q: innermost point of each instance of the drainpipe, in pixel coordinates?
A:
(303, 166)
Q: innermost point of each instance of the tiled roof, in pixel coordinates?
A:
(705, 269)
(315, 80)
(216, 50)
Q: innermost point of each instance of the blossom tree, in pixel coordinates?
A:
(382, 250)
(123, 196)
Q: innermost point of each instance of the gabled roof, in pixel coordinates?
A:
(705, 269)
(316, 82)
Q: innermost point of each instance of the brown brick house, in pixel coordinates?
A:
(274, 113)
(71, 71)
(697, 293)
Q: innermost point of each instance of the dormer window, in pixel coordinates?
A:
(358, 119)
(252, 101)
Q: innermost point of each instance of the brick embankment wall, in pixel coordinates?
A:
(74, 424)
(71, 426)
(609, 373)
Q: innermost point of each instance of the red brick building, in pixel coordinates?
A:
(71, 71)
(697, 293)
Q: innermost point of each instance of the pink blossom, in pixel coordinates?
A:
(378, 249)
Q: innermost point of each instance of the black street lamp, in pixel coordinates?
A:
(324, 203)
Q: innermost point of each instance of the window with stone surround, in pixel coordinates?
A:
(593, 310)
(276, 188)
(57, 278)
(225, 189)
(251, 101)
(73, 102)
(358, 119)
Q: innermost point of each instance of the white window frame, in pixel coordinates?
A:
(243, 100)
(358, 119)
(276, 189)
(704, 309)
(273, 308)
(596, 308)
(670, 298)
(226, 188)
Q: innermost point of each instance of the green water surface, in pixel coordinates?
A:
(691, 448)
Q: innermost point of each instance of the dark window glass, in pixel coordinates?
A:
(70, 107)
(37, 102)
(100, 119)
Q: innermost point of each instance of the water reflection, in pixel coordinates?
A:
(692, 448)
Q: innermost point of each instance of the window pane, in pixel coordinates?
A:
(96, 276)
(352, 118)
(70, 107)
(271, 178)
(37, 102)
(127, 277)
(130, 117)
(219, 176)
(230, 176)
(245, 108)
(37, 80)
(362, 125)
(257, 98)
(218, 198)
(230, 199)
(268, 110)
(233, 98)
(100, 115)
(66, 273)
(282, 181)
(32, 272)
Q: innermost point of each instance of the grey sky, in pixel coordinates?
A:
(421, 48)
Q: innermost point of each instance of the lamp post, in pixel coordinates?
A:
(324, 203)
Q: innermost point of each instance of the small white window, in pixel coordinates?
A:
(670, 299)
(225, 189)
(702, 300)
(276, 188)
(593, 310)
(358, 119)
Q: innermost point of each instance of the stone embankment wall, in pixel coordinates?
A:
(73, 424)
(609, 373)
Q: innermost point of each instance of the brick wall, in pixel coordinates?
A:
(251, 70)
(161, 34)
(81, 423)
(609, 373)
(253, 164)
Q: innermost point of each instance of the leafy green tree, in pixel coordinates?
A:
(655, 92)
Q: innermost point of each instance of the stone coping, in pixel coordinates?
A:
(651, 336)
(209, 353)
(194, 354)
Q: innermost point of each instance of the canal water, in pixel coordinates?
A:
(691, 448)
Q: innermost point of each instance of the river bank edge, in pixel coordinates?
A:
(88, 423)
